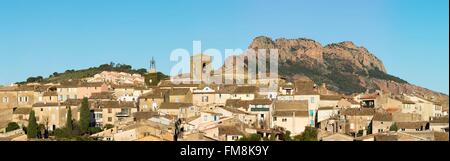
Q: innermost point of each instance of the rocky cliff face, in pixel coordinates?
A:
(297, 50)
(344, 67)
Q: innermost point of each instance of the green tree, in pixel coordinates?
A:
(32, 129)
(12, 126)
(310, 134)
(287, 136)
(94, 130)
(252, 137)
(42, 131)
(393, 127)
(273, 137)
(369, 128)
(108, 126)
(69, 124)
(84, 116)
(59, 133)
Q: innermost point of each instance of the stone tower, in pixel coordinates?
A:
(200, 64)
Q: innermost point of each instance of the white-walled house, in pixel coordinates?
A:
(291, 115)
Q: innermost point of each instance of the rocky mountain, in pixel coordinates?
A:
(344, 67)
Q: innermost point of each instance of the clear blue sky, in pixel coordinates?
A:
(411, 37)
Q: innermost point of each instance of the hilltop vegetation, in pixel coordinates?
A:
(84, 73)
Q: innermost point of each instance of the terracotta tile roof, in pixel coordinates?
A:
(28, 88)
(72, 102)
(229, 130)
(236, 103)
(94, 84)
(440, 119)
(226, 89)
(370, 96)
(327, 108)
(331, 97)
(144, 115)
(102, 95)
(411, 125)
(168, 83)
(358, 112)
(245, 89)
(78, 83)
(305, 88)
(46, 104)
(114, 104)
(290, 113)
(22, 111)
(50, 93)
(171, 105)
(382, 117)
(36, 88)
(179, 91)
(8, 88)
(260, 101)
(404, 101)
(291, 105)
(123, 86)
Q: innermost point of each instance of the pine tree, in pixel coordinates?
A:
(69, 125)
(84, 115)
(32, 129)
(393, 127)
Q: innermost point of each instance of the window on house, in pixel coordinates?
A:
(381, 122)
(284, 120)
(274, 118)
(311, 112)
(204, 98)
(42, 109)
(312, 100)
(109, 110)
(109, 119)
(5, 99)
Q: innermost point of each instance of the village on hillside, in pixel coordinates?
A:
(118, 106)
